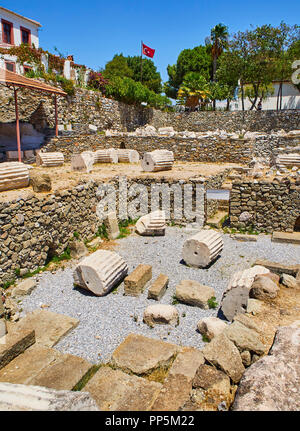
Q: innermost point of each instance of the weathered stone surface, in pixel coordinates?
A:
(157, 160)
(50, 159)
(106, 156)
(254, 306)
(135, 282)
(153, 224)
(201, 249)
(114, 390)
(40, 182)
(211, 327)
(246, 320)
(25, 287)
(159, 287)
(161, 314)
(128, 156)
(14, 343)
(3, 330)
(78, 249)
(285, 237)
(246, 358)
(193, 293)
(100, 272)
(82, 162)
(222, 353)
(49, 327)
(263, 288)
(272, 382)
(278, 268)
(141, 355)
(235, 297)
(207, 377)
(35, 398)
(178, 384)
(13, 175)
(2, 310)
(244, 238)
(289, 281)
(244, 338)
(112, 226)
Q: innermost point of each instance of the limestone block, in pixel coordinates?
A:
(128, 156)
(263, 288)
(40, 182)
(201, 249)
(13, 175)
(288, 160)
(152, 224)
(35, 398)
(158, 160)
(163, 314)
(13, 155)
(289, 281)
(106, 156)
(15, 343)
(77, 249)
(25, 287)
(193, 293)
(135, 282)
(235, 297)
(82, 162)
(100, 272)
(159, 287)
(211, 327)
(244, 338)
(50, 159)
(112, 226)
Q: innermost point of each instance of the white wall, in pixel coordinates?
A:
(17, 23)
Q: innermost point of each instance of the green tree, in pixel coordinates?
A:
(118, 66)
(151, 77)
(218, 41)
(197, 59)
(193, 91)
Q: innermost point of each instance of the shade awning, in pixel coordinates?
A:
(10, 78)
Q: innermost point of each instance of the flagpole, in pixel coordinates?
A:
(141, 61)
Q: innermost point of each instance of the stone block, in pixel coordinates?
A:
(112, 226)
(201, 249)
(135, 282)
(158, 288)
(211, 327)
(193, 293)
(163, 314)
(14, 343)
(25, 287)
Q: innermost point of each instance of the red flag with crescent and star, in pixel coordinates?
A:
(149, 52)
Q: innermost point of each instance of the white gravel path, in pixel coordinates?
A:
(106, 321)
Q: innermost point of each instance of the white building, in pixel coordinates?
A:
(15, 29)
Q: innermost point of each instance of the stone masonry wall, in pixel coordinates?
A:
(272, 206)
(88, 107)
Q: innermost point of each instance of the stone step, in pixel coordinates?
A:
(49, 327)
(14, 343)
(114, 390)
(43, 366)
(292, 238)
(216, 219)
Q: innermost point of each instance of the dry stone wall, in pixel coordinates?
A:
(88, 107)
(271, 206)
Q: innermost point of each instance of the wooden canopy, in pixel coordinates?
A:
(11, 79)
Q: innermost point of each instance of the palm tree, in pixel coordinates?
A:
(194, 90)
(219, 41)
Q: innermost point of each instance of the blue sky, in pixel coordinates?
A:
(93, 31)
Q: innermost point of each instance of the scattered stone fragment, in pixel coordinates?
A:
(78, 249)
(285, 237)
(49, 159)
(178, 384)
(246, 358)
(193, 293)
(289, 281)
(82, 162)
(40, 182)
(95, 242)
(100, 272)
(14, 343)
(152, 224)
(159, 287)
(254, 306)
(243, 237)
(211, 327)
(114, 390)
(142, 355)
(135, 282)
(112, 226)
(247, 321)
(272, 379)
(244, 338)
(222, 353)
(161, 314)
(235, 297)
(263, 289)
(25, 287)
(35, 398)
(201, 249)
(278, 268)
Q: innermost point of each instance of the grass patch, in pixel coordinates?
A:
(174, 300)
(76, 235)
(7, 284)
(212, 303)
(205, 339)
(102, 231)
(84, 380)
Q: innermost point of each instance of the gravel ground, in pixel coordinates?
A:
(106, 321)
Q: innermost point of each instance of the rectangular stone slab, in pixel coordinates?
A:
(135, 282)
(142, 355)
(159, 287)
(292, 238)
(14, 343)
(278, 268)
(114, 390)
(49, 327)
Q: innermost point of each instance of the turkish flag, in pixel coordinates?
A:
(149, 52)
